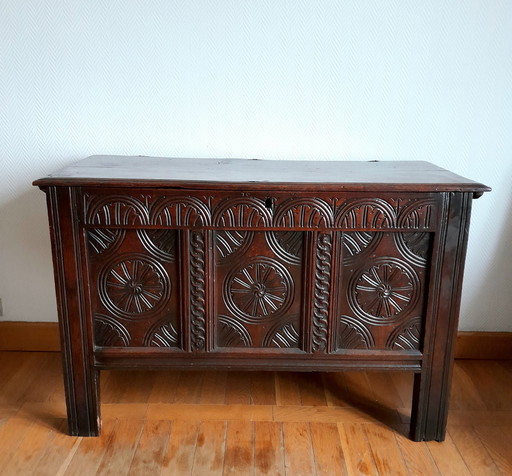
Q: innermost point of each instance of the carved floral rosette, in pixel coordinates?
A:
(133, 286)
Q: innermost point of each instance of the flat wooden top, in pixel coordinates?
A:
(254, 174)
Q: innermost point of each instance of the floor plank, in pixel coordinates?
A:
(263, 388)
(150, 452)
(416, 456)
(473, 451)
(386, 454)
(210, 448)
(12, 434)
(46, 381)
(210, 412)
(268, 449)
(121, 448)
(179, 456)
(311, 389)
(137, 386)
(90, 451)
(403, 382)
(213, 389)
(297, 449)
(18, 385)
(487, 376)
(239, 453)
(31, 449)
(164, 387)
(238, 388)
(327, 452)
(287, 389)
(465, 393)
(189, 387)
(357, 450)
(447, 458)
(58, 452)
(384, 391)
(498, 442)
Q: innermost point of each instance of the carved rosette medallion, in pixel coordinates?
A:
(322, 291)
(384, 293)
(286, 244)
(261, 289)
(160, 243)
(133, 286)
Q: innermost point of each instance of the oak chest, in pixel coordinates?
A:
(255, 264)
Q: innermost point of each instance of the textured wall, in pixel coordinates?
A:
(269, 79)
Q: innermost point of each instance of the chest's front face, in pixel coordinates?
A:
(260, 274)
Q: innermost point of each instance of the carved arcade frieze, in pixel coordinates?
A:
(256, 212)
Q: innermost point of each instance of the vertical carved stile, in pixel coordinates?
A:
(80, 377)
(197, 291)
(322, 291)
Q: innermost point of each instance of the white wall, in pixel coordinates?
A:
(422, 80)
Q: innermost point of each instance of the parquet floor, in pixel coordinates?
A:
(243, 423)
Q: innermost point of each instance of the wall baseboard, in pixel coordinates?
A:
(29, 336)
(44, 336)
(484, 345)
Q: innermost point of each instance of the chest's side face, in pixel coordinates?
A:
(277, 272)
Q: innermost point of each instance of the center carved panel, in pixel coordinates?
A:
(260, 284)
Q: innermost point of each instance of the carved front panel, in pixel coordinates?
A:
(363, 260)
(258, 282)
(134, 287)
(381, 290)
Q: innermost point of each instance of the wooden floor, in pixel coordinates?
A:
(208, 423)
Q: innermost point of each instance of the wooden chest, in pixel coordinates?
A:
(252, 264)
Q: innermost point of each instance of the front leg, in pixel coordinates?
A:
(81, 379)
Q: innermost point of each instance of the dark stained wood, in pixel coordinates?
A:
(262, 174)
(432, 384)
(257, 265)
(80, 376)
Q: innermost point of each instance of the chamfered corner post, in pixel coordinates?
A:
(432, 384)
(81, 379)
